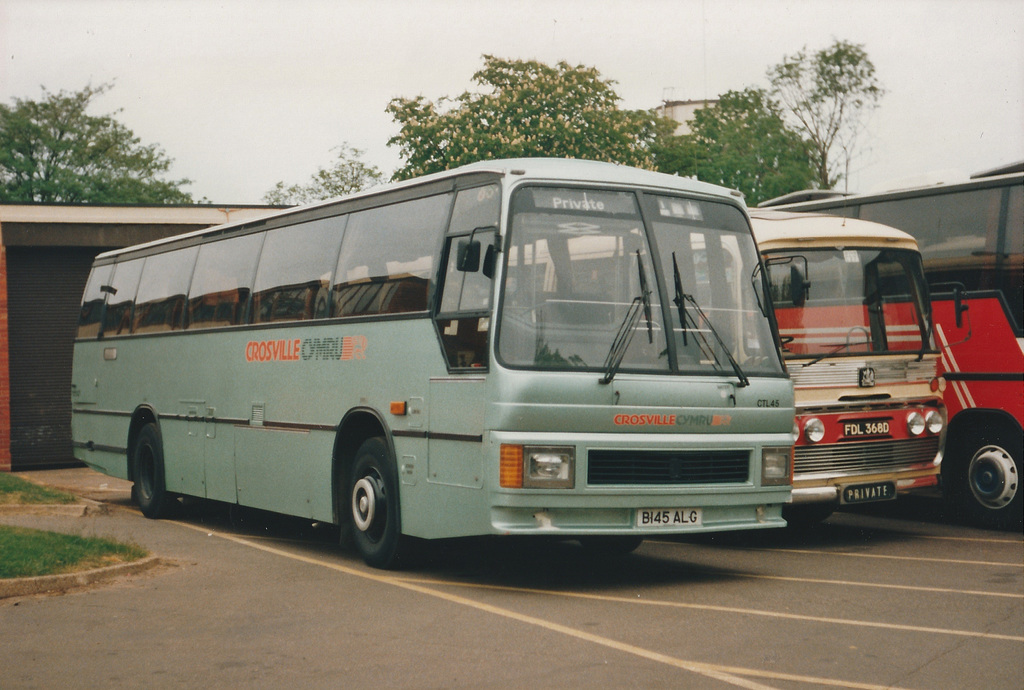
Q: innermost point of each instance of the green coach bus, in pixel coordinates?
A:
(516, 347)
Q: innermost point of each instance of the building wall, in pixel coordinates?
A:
(45, 256)
(682, 112)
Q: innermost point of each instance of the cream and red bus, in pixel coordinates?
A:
(855, 324)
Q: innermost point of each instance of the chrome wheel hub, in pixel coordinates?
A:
(992, 476)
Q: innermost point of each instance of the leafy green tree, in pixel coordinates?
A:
(743, 143)
(828, 95)
(524, 108)
(348, 174)
(53, 151)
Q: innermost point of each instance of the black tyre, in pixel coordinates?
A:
(374, 510)
(981, 479)
(150, 487)
(807, 514)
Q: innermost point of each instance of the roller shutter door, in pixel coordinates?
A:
(44, 290)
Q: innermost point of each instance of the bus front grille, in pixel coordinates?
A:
(666, 468)
(865, 456)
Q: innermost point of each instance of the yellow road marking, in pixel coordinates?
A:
(734, 609)
(986, 540)
(730, 674)
(852, 583)
(851, 554)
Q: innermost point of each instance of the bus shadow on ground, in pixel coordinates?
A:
(507, 561)
(557, 564)
(540, 563)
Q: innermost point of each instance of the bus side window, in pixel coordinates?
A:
(117, 320)
(294, 271)
(160, 304)
(388, 258)
(219, 295)
(91, 316)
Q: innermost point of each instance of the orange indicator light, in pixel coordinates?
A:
(511, 469)
(398, 408)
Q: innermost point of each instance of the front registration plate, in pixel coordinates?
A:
(876, 427)
(668, 517)
(867, 493)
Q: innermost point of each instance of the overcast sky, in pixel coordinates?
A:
(244, 94)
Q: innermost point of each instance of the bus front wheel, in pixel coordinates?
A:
(150, 487)
(373, 501)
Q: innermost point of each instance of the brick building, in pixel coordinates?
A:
(45, 255)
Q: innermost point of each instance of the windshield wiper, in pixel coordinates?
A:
(645, 295)
(841, 346)
(641, 305)
(680, 300)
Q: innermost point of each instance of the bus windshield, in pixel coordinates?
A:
(580, 269)
(837, 301)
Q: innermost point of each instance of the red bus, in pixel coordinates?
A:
(971, 237)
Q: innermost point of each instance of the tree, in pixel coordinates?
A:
(743, 143)
(348, 174)
(524, 109)
(828, 94)
(53, 151)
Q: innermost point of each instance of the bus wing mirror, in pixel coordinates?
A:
(958, 305)
(798, 286)
(490, 257)
(468, 260)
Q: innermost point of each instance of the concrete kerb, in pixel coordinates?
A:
(60, 583)
(82, 508)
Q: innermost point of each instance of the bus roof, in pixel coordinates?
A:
(546, 169)
(784, 229)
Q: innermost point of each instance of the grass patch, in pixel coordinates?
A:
(31, 552)
(14, 490)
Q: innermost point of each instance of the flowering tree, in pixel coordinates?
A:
(523, 109)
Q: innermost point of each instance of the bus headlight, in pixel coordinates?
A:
(915, 423)
(549, 467)
(934, 421)
(776, 466)
(814, 430)
(537, 467)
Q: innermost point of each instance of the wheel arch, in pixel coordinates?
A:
(976, 422)
(358, 425)
(143, 415)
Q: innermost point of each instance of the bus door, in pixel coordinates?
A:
(458, 400)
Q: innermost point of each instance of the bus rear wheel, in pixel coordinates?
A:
(373, 500)
(150, 487)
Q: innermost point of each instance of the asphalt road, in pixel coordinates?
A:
(889, 597)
